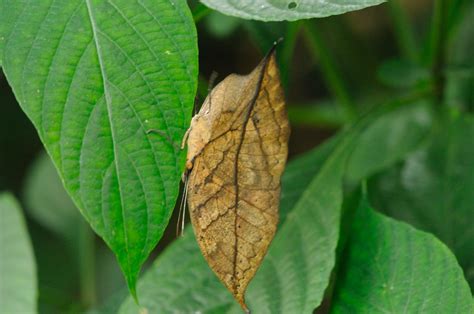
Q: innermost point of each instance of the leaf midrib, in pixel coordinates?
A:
(109, 115)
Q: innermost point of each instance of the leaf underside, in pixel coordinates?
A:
(279, 10)
(94, 76)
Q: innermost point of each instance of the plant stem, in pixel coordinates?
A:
(329, 70)
(199, 12)
(287, 50)
(87, 265)
(403, 30)
(437, 51)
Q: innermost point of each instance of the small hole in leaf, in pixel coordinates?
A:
(292, 5)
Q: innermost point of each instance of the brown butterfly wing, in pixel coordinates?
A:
(238, 145)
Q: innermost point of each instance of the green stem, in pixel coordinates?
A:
(437, 51)
(404, 33)
(87, 265)
(288, 47)
(329, 70)
(199, 12)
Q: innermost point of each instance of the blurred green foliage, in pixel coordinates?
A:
(414, 56)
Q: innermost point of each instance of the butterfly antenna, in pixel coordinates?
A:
(185, 204)
(212, 80)
(182, 208)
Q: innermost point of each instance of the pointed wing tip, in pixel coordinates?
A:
(239, 296)
(243, 305)
(279, 40)
(272, 50)
(271, 53)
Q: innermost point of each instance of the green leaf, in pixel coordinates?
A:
(433, 189)
(300, 172)
(279, 10)
(47, 201)
(388, 139)
(94, 76)
(17, 264)
(390, 267)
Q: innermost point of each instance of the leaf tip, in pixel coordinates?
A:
(133, 292)
(132, 287)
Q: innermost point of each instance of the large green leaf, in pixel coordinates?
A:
(388, 139)
(94, 76)
(279, 10)
(433, 189)
(390, 267)
(17, 264)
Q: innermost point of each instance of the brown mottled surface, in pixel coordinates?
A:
(237, 150)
